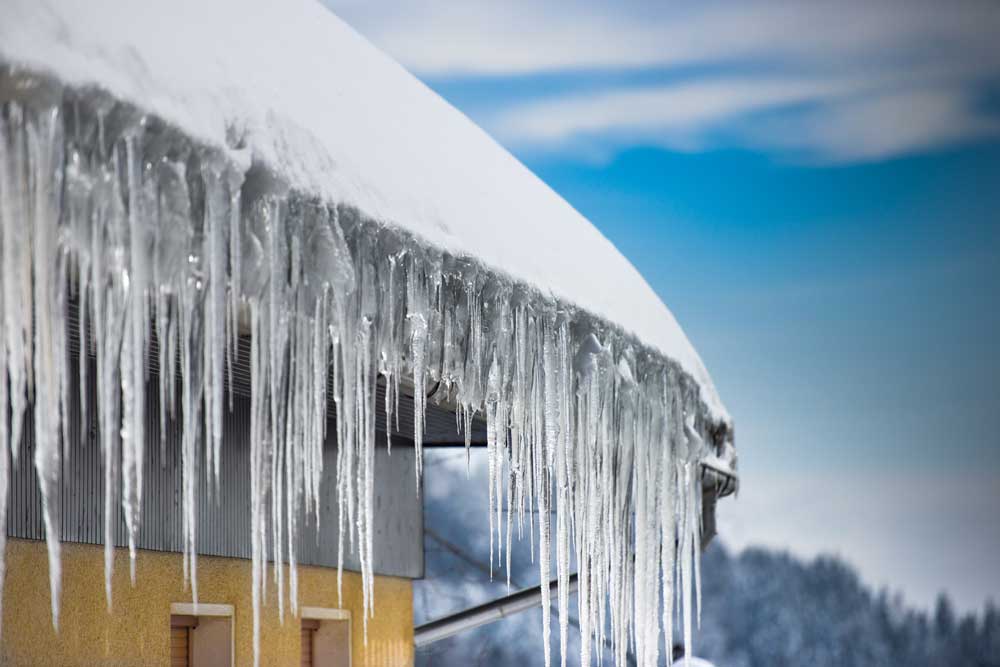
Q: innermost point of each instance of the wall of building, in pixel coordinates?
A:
(223, 527)
(137, 631)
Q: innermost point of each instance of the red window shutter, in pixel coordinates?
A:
(180, 646)
(307, 645)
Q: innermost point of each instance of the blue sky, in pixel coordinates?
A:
(813, 189)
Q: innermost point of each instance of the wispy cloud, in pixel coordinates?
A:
(439, 37)
(653, 109)
(827, 121)
(833, 81)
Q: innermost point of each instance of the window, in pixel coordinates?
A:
(180, 640)
(309, 626)
(326, 637)
(201, 636)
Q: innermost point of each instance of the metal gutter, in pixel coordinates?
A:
(484, 614)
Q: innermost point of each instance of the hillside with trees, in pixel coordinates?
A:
(760, 608)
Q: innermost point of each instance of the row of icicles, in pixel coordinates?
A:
(157, 239)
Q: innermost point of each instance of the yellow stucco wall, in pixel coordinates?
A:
(137, 631)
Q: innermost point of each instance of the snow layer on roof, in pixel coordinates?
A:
(335, 117)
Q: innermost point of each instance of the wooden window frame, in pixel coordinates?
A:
(186, 624)
(186, 611)
(320, 614)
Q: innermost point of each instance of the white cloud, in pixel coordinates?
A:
(825, 120)
(650, 109)
(876, 125)
(850, 81)
(441, 37)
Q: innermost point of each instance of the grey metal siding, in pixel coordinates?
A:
(223, 521)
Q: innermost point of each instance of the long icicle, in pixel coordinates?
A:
(159, 240)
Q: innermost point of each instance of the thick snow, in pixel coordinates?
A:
(339, 119)
(139, 223)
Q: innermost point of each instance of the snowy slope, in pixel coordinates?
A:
(335, 117)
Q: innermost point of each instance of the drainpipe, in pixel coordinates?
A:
(718, 480)
(484, 614)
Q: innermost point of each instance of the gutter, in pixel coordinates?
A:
(718, 480)
(484, 614)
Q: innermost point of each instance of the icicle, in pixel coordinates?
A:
(417, 317)
(159, 240)
(544, 462)
(133, 353)
(214, 339)
(258, 486)
(668, 529)
(276, 354)
(107, 280)
(563, 484)
(16, 268)
(43, 134)
(495, 503)
(6, 198)
(4, 425)
(366, 336)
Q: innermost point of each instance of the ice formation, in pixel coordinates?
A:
(161, 240)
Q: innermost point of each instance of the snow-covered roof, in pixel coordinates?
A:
(337, 118)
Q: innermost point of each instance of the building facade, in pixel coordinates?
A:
(142, 627)
(155, 622)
